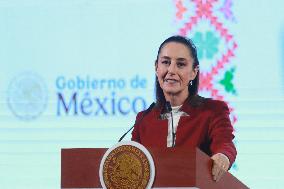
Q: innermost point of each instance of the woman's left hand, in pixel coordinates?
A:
(221, 165)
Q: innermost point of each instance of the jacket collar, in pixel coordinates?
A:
(189, 104)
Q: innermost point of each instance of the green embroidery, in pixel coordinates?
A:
(227, 81)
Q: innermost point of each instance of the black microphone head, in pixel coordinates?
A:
(168, 106)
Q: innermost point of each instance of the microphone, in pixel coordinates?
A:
(169, 109)
(142, 117)
(168, 106)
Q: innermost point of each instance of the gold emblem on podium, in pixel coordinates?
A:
(127, 166)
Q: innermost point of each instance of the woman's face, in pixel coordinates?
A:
(174, 69)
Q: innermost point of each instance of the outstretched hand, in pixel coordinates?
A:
(221, 165)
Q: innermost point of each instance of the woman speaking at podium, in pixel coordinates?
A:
(180, 116)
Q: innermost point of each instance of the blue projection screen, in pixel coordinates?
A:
(74, 74)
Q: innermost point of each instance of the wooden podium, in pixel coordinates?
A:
(175, 167)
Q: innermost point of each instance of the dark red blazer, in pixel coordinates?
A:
(207, 127)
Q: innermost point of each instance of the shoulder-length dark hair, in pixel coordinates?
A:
(192, 89)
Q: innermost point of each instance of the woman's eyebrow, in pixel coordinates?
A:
(181, 59)
(166, 57)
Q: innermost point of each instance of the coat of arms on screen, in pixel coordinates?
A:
(27, 96)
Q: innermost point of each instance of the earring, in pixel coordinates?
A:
(190, 83)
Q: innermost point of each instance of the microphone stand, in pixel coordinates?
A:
(173, 132)
(169, 109)
(142, 117)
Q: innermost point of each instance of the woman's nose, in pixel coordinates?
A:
(172, 68)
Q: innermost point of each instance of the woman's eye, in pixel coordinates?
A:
(181, 64)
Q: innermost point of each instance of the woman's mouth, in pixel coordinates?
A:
(170, 80)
